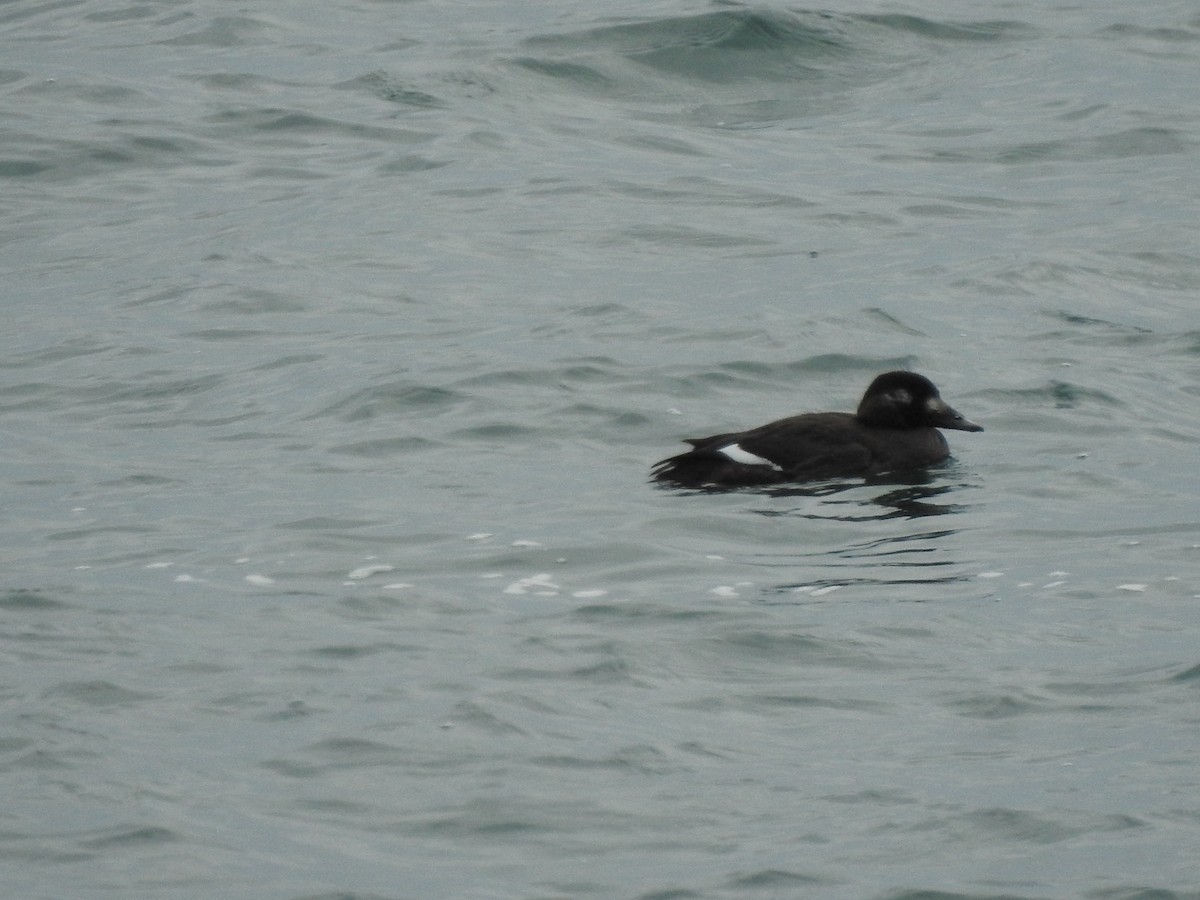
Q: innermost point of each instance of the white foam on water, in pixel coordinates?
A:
(367, 571)
(545, 587)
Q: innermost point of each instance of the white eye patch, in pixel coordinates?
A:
(745, 457)
(900, 396)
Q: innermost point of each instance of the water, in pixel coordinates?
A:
(340, 341)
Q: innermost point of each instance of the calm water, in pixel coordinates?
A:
(340, 339)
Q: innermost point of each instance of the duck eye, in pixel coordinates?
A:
(901, 396)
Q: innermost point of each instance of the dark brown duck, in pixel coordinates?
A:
(895, 429)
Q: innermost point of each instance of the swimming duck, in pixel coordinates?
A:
(895, 429)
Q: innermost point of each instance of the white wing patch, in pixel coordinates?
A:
(745, 457)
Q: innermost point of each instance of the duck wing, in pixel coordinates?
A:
(812, 446)
(800, 448)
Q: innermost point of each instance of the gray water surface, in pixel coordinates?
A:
(340, 341)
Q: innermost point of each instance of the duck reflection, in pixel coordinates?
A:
(910, 557)
(913, 495)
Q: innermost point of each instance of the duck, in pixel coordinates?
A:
(894, 429)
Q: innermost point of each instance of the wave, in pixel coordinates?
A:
(744, 65)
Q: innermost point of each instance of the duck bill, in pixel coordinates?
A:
(941, 415)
